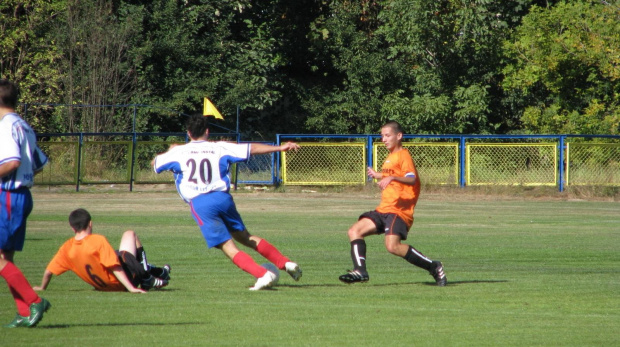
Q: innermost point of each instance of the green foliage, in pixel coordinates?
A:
(448, 66)
(566, 68)
(29, 57)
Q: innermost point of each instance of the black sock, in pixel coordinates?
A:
(418, 259)
(358, 255)
(156, 271)
(141, 256)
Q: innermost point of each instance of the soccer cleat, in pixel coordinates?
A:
(19, 321)
(36, 312)
(354, 276)
(438, 274)
(166, 272)
(264, 282)
(293, 269)
(154, 282)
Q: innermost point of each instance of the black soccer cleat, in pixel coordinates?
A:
(353, 277)
(154, 283)
(438, 274)
(166, 272)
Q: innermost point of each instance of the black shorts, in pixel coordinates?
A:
(132, 267)
(388, 223)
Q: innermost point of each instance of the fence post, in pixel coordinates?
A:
(369, 154)
(133, 160)
(462, 161)
(561, 164)
(276, 169)
(79, 162)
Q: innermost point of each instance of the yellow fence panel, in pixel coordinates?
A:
(325, 164)
(593, 164)
(62, 165)
(531, 164)
(106, 161)
(437, 163)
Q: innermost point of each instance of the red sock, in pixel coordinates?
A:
(23, 294)
(247, 264)
(272, 254)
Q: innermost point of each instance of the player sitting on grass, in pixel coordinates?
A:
(92, 258)
(400, 185)
(201, 170)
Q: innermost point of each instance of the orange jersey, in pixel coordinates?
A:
(91, 258)
(397, 197)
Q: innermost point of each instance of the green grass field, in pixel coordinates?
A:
(544, 272)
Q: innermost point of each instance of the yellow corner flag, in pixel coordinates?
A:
(210, 110)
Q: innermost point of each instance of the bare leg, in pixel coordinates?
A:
(129, 242)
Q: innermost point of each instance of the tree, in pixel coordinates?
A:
(224, 50)
(94, 38)
(433, 65)
(565, 68)
(29, 58)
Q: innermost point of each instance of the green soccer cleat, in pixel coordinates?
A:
(36, 312)
(19, 321)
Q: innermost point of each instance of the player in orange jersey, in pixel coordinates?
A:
(400, 185)
(92, 258)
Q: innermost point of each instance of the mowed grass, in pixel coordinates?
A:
(519, 273)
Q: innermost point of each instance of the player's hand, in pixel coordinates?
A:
(372, 173)
(289, 146)
(137, 291)
(38, 288)
(385, 181)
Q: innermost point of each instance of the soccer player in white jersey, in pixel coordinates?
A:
(20, 160)
(201, 173)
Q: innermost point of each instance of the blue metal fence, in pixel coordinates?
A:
(265, 169)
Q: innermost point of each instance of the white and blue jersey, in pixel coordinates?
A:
(201, 171)
(201, 167)
(18, 142)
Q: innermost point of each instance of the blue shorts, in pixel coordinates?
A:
(15, 207)
(217, 216)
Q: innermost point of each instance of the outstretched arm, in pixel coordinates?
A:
(261, 148)
(122, 277)
(47, 277)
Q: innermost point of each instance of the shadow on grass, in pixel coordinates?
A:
(65, 326)
(368, 284)
(455, 283)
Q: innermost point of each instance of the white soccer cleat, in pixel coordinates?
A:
(293, 269)
(264, 282)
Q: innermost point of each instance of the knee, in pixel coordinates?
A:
(130, 234)
(393, 249)
(354, 234)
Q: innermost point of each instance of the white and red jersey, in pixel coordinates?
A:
(200, 167)
(19, 142)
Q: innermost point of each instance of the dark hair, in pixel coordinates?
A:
(8, 94)
(394, 125)
(79, 219)
(197, 125)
